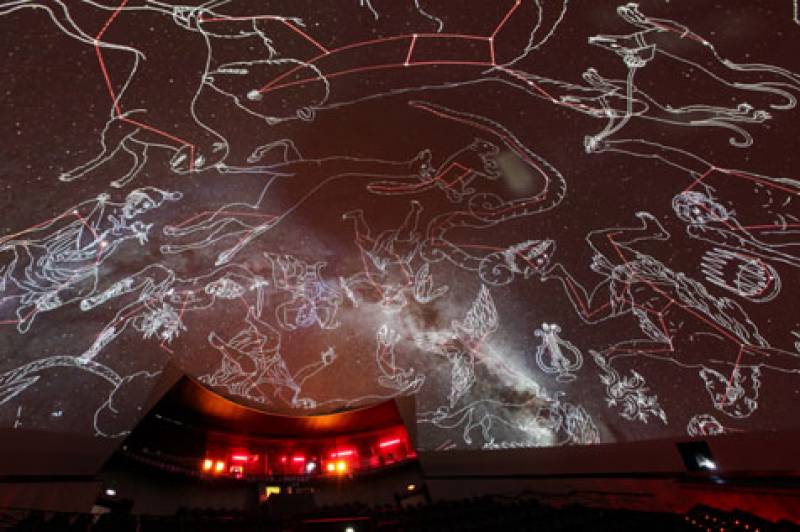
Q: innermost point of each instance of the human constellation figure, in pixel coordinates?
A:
(155, 302)
(252, 359)
(680, 320)
(388, 255)
(708, 220)
(312, 299)
(391, 375)
(58, 262)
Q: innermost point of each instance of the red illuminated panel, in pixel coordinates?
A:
(343, 453)
(390, 443)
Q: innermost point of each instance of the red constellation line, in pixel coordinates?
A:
(700, 317)
(408, 61)
(118, 113)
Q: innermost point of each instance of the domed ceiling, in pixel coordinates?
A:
(554, 222)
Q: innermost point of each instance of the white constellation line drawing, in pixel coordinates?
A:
(540, 421)
(58, 262)
(252, 358)
(556, 355)
(670, 308)
(631, 393)
(112, 418)
(461, 345)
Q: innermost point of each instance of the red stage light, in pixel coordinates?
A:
(299, 459)
(389, 443)
(345, 452)
(240, 458)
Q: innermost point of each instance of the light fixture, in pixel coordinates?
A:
(310, 467)
(345, 452)
(341, 466)
(706, 463)
(349, 529)
(697, 456)
(411, 487)
(208, 464)
(111, 492)
(389, 443)
(219, 467)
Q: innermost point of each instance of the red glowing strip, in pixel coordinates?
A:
(299, 459)
(389, 443)
(240, 458)
(348, 452)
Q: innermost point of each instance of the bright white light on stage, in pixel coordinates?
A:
(705, 463)
(111, 492)
(310, 467)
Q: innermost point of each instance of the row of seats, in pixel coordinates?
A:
(477, 514)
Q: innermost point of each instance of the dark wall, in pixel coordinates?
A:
(755, 472)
